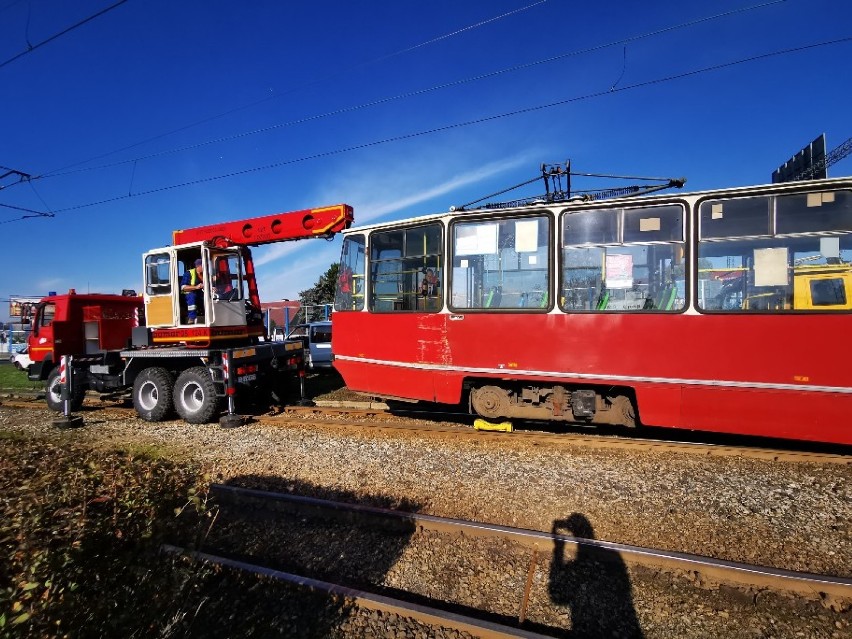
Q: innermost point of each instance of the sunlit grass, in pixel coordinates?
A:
(12, 378)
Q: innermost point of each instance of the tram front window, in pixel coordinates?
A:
(349, 288)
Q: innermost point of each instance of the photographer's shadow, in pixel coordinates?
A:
(593, 584)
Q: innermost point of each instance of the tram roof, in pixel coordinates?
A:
(802, 185)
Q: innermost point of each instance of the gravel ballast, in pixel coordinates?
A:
(787, 515)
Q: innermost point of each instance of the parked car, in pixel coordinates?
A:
(21, 359)
(317, 339)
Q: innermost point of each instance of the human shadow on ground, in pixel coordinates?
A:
(593, 584)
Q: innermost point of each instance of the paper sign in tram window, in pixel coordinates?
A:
(770, 267)
(526, 236)
(716, 212)
(829, 246)
(818, 199)
(619, 271)
(649, 224)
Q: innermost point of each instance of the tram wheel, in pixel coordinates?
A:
(491, 401)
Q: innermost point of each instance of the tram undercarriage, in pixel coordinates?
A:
(610, 406)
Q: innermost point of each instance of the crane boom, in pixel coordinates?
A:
(279, 227)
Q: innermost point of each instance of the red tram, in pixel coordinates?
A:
(723, 310)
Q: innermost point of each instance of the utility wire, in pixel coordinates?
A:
(297, 88)
(458, 125)
(33, 47)
(10, 5)
(410, 94)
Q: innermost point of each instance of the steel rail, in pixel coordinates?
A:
(372, 601)
(600, 441)
(722, 571)
(290, 414)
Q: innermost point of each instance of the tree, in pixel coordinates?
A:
(323, 291)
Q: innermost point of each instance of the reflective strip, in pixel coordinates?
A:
(503, 372)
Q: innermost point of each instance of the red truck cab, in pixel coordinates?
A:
(72, 324)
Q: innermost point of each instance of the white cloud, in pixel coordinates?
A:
(287, 268)
(362, 190)
(379, 209)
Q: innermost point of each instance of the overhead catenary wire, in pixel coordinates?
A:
(303, 86)
(406, 95)
(33, 47)
(457, 125)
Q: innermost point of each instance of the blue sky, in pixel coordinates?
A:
(159, 114)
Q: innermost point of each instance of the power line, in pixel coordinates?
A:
(410, 94)
(22, 177)
(33, 47)
(299, 87)
(458, 125)
(10, 5)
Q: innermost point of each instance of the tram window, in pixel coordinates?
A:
(739, 217)
(814, 212)
(625, 275)
(349, 289)
(590, 227)
(422, 241)
(501, 264)
(653, 224)
(400, 262)
(775, 274)
(623, 278)
(157, 280)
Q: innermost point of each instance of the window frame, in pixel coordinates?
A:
(402, 300)
(525, 214)
(786, 240)
(622, 210)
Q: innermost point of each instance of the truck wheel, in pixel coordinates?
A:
(195, 396)
(52, 393)
(152, 394)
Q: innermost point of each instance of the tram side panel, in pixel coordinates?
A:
(401, 355)
(746, 374)
(766, 375)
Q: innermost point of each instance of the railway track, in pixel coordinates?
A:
(404, 610)
(524, 580)
(719, 571)
(385, 421)
(780, 515)
(381, 419)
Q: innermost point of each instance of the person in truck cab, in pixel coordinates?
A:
(192, 285)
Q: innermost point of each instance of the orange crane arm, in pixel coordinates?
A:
(279, 227)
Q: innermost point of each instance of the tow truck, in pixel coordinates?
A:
(146, 345)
